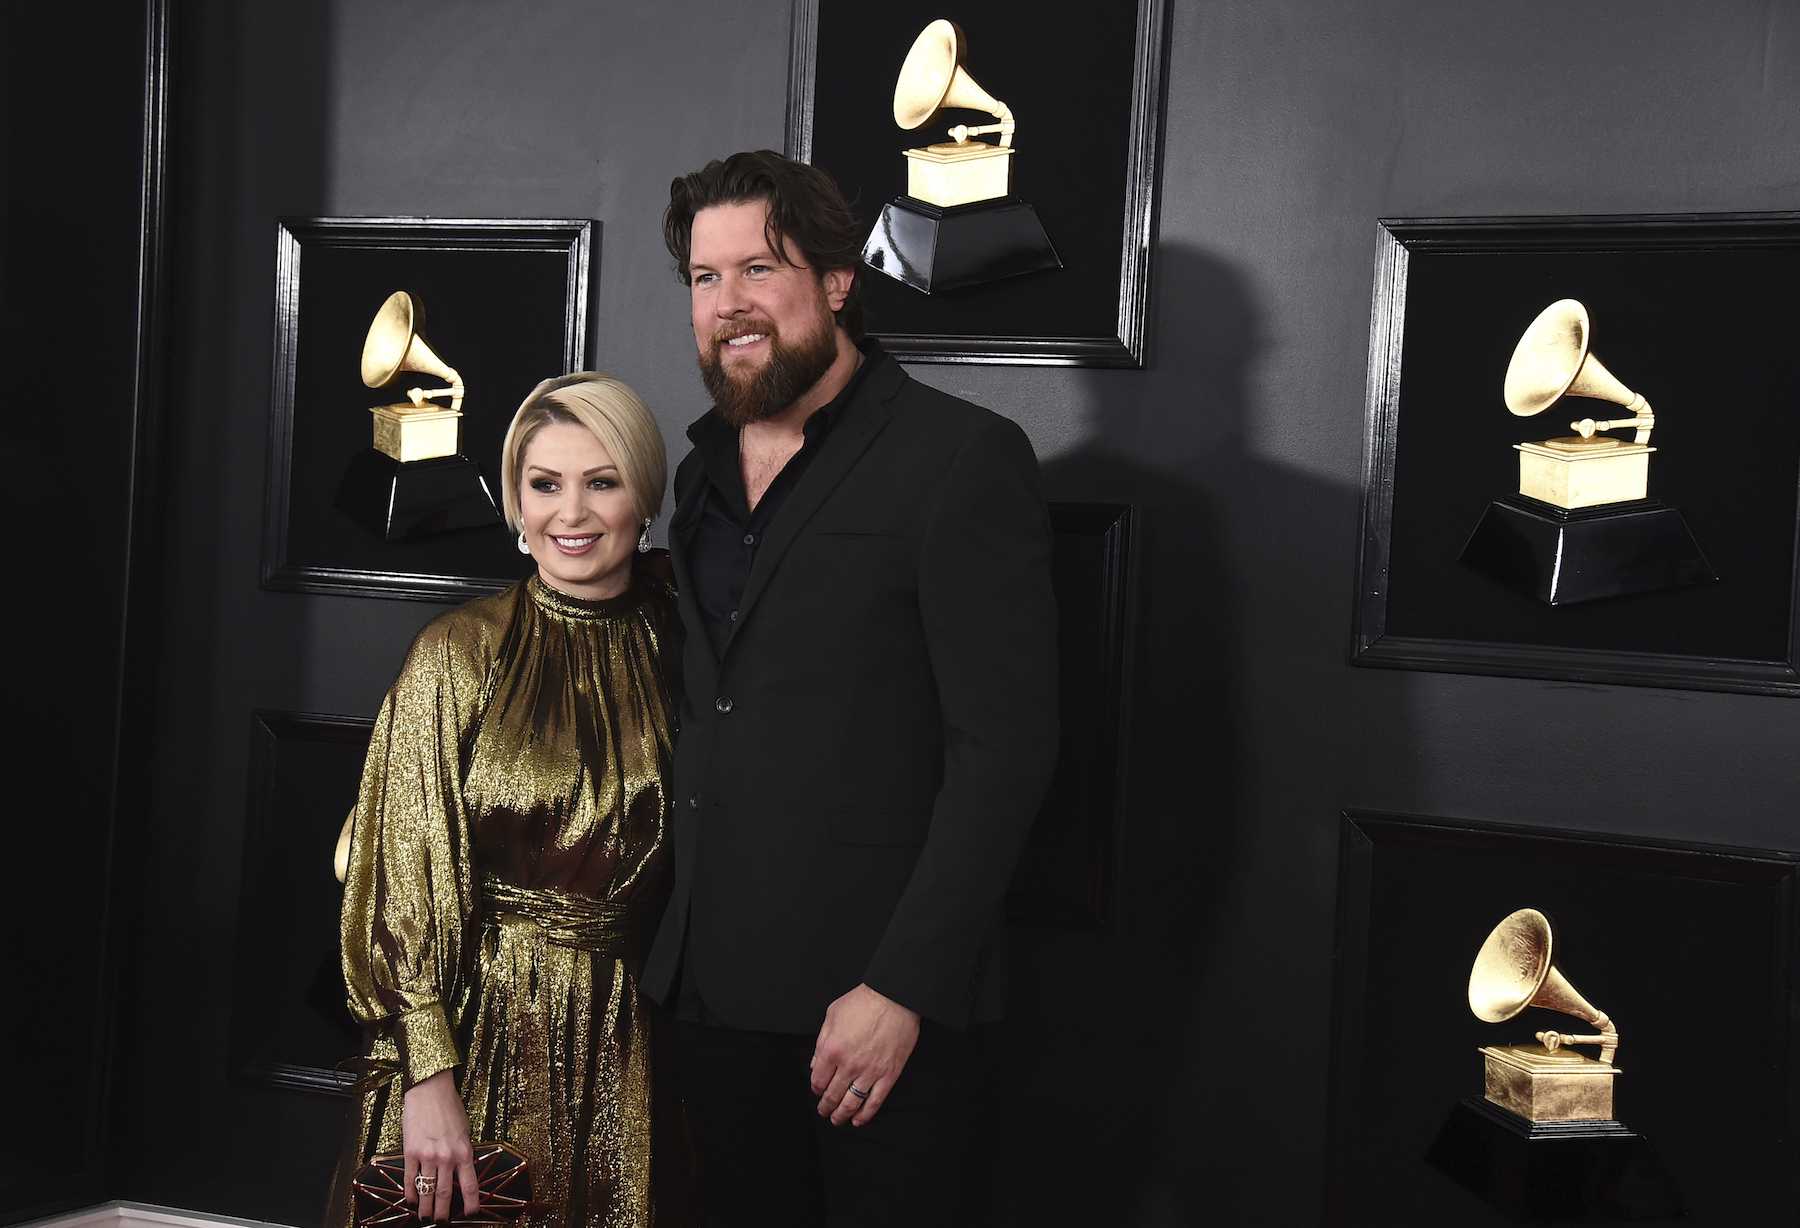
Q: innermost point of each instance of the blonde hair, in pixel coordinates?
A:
(618, 418)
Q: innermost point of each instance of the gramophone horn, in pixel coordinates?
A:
(1516, 968)
(933, 78)
(395, 344)
(1552, 361)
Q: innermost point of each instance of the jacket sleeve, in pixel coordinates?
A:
(989, 619)
(407, 892)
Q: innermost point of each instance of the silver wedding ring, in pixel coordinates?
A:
(858, 1092)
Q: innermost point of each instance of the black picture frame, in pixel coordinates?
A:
(290, 1026)
(1089, 101)
(1693, 310)
(1067, 872)
(507, 303)
(1691, 949)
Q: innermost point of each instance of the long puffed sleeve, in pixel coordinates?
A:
(408, 894)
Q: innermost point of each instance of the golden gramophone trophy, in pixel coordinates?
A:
(1582, 525)
(959, 223)
(1547, 1081)
(414, 481)
(1542, 1143)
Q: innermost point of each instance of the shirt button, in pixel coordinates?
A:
(694, 802)
(734, 616)
(749, 539)
(723, 703)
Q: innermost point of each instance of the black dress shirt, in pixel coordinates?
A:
(727, 531)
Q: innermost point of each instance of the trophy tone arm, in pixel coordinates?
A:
(1608, 1040)
(1005, 127)
(1644, 421)
(455, 392)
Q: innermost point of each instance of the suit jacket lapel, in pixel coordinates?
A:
(681, 528)
(862, 420)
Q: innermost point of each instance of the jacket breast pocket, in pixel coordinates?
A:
(893, 827)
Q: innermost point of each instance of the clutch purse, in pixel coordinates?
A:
(503, 1173)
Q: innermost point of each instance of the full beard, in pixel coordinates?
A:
(790, 370)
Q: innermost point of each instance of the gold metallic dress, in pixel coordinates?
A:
(508, 868)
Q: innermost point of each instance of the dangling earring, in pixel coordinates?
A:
(524, 546)
(644, 538)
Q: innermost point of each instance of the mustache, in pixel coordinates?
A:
(725, 332)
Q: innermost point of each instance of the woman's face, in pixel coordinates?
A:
(578, 517)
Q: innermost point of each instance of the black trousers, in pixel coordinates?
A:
(767, 1158)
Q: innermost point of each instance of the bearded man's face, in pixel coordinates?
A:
(764, 327)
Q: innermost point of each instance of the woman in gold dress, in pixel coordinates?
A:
(508, 863)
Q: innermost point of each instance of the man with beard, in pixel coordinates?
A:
(868, 730)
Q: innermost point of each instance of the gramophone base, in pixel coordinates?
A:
(395, 499)
(417, 432)
(1541, 1084)
(935, 250)
(1547, 1172)
(1562, 557)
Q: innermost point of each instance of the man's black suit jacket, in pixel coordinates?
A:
(855, 777)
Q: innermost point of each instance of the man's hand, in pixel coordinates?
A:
(864, 1044)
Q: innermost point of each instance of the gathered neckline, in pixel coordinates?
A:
(565, 605)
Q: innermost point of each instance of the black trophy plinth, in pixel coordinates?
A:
(934, 249)
(395, 499)
(1553, 1171)
(1561, 556)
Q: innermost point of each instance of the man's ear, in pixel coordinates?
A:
(837, 283)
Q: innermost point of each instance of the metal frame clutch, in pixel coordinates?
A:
(504, 1176)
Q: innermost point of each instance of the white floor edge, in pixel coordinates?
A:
(143, 1215)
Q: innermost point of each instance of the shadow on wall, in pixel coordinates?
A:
(1174, 1071)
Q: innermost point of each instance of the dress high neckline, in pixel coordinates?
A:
(564, 605)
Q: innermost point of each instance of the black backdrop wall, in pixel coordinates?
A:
(80, 192)
(1132, 1084)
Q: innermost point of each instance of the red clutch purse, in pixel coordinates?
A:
(504, 1175)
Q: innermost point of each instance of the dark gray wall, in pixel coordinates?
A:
(1134, 1083)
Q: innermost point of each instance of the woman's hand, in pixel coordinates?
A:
(434, 1127)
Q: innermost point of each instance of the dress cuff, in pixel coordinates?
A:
(425, 1045)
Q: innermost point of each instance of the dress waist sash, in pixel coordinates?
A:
(599, 927)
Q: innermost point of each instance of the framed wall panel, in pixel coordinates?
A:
(1697, 313)
(1066, 873)
(506, 304)
(1690, 949)
(289, 1024)
(1088, 97)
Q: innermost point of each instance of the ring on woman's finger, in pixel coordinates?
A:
(858, 1092)
(427, 1186)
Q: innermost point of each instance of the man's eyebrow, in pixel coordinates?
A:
(765, 256)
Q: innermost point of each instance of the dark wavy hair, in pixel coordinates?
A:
(805, 207)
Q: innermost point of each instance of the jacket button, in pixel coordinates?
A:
(723, 703)
(694, 802)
